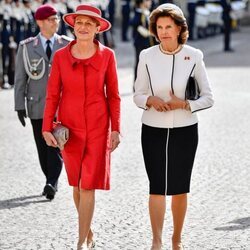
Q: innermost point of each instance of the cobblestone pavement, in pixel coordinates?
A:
(219, 204)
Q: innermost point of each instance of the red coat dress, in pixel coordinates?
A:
(85, 94)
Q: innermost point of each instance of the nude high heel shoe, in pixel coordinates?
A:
(178, 246)
(82, 246)
(91, 244)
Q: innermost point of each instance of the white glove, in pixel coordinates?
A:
(143, 31)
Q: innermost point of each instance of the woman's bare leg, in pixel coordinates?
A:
(157, 208)
(84, 202)
(76, 196)
(179, 208)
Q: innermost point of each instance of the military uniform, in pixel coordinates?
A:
(30, 27)
(226, 5)
(125, 10)
(141, 36)
(1, 46)
(191, 5)
(106, 37)
(6, 33)
(18, 22)
(32, 72)
(31, 77)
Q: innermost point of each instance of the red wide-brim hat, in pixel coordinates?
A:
(87, 10)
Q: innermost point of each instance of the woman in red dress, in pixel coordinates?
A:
(83, 92)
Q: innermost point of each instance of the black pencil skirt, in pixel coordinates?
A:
(169, 156)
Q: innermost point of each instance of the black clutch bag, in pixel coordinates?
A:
(61, 134)
(192, 89)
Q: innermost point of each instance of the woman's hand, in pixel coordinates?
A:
(50, 139)
(175, 102)
(114, 140)
(158, 104)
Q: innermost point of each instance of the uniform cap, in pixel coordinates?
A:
(45, 11)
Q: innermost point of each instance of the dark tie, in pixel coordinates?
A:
(48, 49)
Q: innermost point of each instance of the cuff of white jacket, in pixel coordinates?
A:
(141, 101)
(194, 107)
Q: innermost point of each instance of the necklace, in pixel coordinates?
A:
(170, 52)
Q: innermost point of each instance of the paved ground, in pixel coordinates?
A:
(219, 206)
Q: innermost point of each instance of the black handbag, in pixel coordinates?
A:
(192, 91)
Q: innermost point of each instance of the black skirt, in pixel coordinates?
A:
(169, 156)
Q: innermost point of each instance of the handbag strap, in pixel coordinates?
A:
(192, 70)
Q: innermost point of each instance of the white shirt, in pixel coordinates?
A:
(159, 73)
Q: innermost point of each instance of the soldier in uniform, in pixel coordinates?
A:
(105, 37)
(191, 5)
(18, 21)
(141, 36)
(1, 45)
(33, 63)
(125, 10)
(226, 5)
(30, 28)
(6, 34)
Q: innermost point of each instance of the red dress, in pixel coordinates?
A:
(85, 95)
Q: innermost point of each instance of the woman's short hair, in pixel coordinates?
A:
(173, 11)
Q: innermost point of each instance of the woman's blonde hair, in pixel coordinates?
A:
(173, 11)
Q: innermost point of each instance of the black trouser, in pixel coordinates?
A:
(227, 33)
(125, 21)
(49, 157)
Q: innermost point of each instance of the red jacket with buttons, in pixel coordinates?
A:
(84, 94)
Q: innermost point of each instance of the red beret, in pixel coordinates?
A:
(45, 11)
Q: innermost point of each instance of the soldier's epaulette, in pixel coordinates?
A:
(28, 40)
(69, 39)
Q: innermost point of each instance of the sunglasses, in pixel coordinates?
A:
(53, 19)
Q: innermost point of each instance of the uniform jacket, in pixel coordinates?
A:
(141, 19)
(160, 73)
(226, 5)
(85, 93)
(28, 92)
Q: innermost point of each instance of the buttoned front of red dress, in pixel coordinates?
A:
(87, 97)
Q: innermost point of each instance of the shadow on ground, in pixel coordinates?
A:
(21, 201)
(239, 224)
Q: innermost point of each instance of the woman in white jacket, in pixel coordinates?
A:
(169, 121)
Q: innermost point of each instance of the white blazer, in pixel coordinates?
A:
(159, 73)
